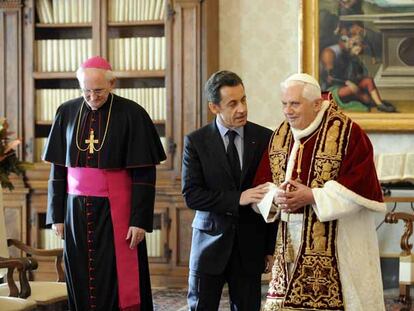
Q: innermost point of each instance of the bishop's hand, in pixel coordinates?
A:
(58, 228)
(136, 235)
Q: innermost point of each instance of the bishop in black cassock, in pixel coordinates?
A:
(102, 160)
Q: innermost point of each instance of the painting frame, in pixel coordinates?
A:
(309, 63)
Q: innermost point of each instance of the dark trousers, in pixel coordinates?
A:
(204, 291)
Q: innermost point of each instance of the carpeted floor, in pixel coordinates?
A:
(169, 299)
(392, 303)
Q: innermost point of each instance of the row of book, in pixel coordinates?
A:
(80, 11)
(64, 11)
(49, 240)
(135, 10)
(63, 55)
(40, 143)
(139, 53)
(153, 241)
(48, 100)
(152, 99)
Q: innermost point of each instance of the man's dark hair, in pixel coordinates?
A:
(218, 80)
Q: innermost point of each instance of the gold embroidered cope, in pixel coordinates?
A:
(314, 283)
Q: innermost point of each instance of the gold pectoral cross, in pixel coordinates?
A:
(91, 141)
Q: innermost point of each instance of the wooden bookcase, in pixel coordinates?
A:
(58, 49)
(190, 28)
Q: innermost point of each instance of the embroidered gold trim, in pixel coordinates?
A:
(278, 284)
(315, 282)
(278, 152)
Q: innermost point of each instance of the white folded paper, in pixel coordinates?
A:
(265, 207)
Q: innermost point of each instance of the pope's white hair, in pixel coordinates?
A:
(311, 89)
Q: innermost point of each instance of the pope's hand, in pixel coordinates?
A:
(280, 195)
(136, 235)
(295, 197)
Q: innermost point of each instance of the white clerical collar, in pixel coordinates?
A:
(299, 134)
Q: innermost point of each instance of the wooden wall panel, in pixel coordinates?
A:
(184, 219)
(209, 50)
(186, 72)
(15, 213)
(10, 66)
(14, 202)
(28, 82)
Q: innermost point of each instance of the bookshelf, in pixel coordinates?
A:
(57, 37)
(187, 33)
(130, 34)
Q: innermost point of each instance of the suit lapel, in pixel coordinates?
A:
(249, 149)
(217, 149)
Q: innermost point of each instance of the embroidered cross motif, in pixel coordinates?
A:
(318, 281)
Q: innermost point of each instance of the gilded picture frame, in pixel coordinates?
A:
(403, 99)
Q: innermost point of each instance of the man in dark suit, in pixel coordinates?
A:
(231, 243)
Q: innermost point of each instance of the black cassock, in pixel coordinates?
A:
(131, 143)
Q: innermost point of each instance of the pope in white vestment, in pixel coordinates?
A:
(326, 193)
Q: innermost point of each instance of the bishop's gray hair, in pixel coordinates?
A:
(109, 74)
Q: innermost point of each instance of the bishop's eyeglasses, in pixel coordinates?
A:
(97, 92)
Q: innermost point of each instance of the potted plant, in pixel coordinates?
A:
(9, 162)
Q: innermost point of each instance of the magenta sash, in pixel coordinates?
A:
(116, 185)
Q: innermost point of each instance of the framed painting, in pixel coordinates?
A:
(362, 51)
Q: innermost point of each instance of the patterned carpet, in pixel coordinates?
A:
(170, 299)
(175, 299)
(392, 303)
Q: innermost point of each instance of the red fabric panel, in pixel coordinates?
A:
(116, 184)
(358, 172)
(263, 173)
(119, 184)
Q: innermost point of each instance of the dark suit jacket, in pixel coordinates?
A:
(208, 188)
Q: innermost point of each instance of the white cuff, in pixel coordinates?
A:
(335, 201)
(266, 207)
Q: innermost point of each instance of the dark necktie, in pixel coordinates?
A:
(233, 157)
